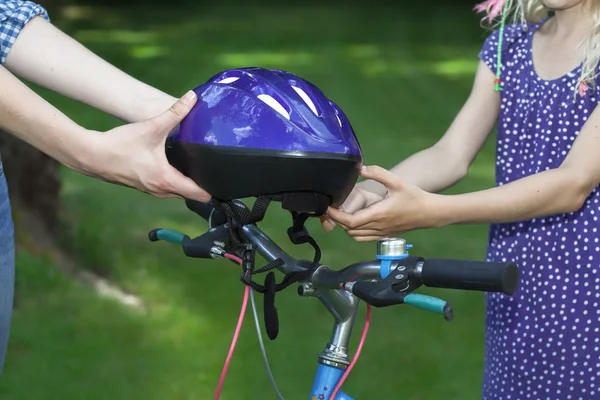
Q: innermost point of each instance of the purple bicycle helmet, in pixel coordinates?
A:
(256, 132)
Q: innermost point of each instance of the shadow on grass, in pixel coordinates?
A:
(67, 343)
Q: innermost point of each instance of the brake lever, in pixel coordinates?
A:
(393, 290)
(212, 244)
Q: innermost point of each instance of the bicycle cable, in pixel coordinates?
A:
(356, 355)
(262, 347)
(236, 333)
(249, 293)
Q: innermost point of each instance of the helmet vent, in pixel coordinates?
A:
(306, 99)
(274, 104)
(229, 80)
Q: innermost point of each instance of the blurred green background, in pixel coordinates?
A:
(400, 73)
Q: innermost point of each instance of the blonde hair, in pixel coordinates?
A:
(523, 11)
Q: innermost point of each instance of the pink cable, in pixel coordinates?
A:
(237, 331)
(356, 355)
(234, 258)
(239, 328)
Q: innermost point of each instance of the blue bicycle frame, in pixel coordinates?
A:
(326, 379)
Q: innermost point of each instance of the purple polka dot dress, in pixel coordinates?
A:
(544, 341)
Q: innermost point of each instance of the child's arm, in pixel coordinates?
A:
(557, 191)
(445, 163)
(48, 57)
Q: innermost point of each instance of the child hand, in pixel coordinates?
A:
(406, 207)
(358, 199)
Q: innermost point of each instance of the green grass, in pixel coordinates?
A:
(400, 78)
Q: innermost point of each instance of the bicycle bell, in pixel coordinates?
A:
(389, 250)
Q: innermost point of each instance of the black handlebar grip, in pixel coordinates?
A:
(471, 275)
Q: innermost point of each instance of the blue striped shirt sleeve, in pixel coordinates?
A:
(13, 17)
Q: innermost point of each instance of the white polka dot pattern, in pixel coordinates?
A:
(544, 341)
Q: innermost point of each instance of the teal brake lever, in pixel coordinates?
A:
(430, 303)
(166, 235)
(381, 294)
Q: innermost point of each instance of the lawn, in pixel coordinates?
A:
(399, 75)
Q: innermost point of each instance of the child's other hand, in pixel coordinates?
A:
(406, 207)
(357, 200)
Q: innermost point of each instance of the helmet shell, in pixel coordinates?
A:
(257, 132)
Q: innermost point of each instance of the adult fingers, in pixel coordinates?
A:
(167, 122)
(187, 188)
(175, 183)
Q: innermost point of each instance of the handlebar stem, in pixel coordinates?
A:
(340, 303)
(343, 306)
(335, 353)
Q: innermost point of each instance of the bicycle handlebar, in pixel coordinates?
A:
(402, 275)
(388, 280)
(471, 275)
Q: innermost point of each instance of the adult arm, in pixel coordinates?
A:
(132, 155)
(45, 55)
(26, 115)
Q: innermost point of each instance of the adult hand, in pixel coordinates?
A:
(134, 155)
(406, 207)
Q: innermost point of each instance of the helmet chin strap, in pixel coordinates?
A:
(238, 216)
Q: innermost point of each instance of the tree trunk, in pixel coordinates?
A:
(33, 179)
